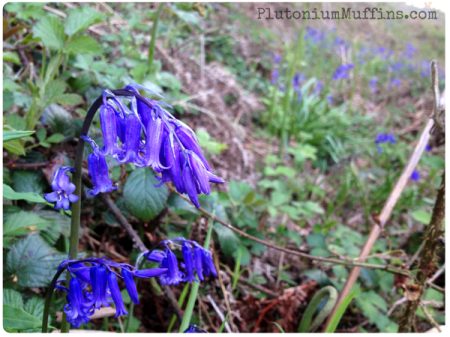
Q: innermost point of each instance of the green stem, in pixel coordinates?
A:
(194, 289)
(305, 324)
(151, 47)
(48, 300)
(237, 267)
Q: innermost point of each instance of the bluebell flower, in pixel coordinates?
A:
(78, 309)
(426, 71)
(373, 85)
(149, 137)
(277, 59)
(395, 81)
(195, 329)
(98, 282)
(188, 262)
(342, 71)
(427, 148)
(330, 99)
(195, 258)
(410, 50)
(319, 88)
(103, 280)
(98, 170)
(62, 188)
(415, 175)
(274, 76)
(116, 295)
(298, 78)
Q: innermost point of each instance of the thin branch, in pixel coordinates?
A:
(293, 252)
(219, 313)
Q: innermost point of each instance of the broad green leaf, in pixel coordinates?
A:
(83, 62)
(81, 83)
(11, 56)
(80, 18)
(69, 99)
(12, 298)
(41, 134)
(59, 120)
(9, 85)
(422, 217)
(142, 198)
(8, 100)
(14, 146)
(178, 203)
(6, 179)
(16, 122)
(29, 181)
(19, 319)
(35, 306)
(55, 88)
(10, 194)
(53, 65)
(60, 222)
(56, 138)
(228, 239)
(83, 44)
(22, 223)
(11, 135)
(51, 32)
(33, 261)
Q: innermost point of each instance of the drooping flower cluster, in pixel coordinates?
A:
(101, 274)
(384, 138)
(62, 188)
(196, 258)
(148, 135)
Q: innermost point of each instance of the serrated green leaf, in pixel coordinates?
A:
(11, 135)
(22, 223)
(50, 31)
(35, 306)
(16, 122)
(33, 261)
(142, 198)
(55, 88)
(9, 85)
(29, 181)
(81, 83)
(83, 44)
(19, 319)
(69, 99)
(9, 194)
(8, 100)
(15, 147)
(11, 56)
(80, 18)
(59, 120)
(56, 138)
(12, 298)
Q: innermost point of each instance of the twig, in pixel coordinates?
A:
(384, 216)
(437, 108)
(437, 274)
(280, 267)
(109, 9)
(266, 309)
(430, 318)
(395, 305)
(120, 324)
(428, 257)
(205, 311)
(293, 252)
(219, 313)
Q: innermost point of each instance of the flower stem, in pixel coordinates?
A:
(151, 47)
(48, 300)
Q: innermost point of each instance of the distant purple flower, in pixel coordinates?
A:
(342, 71)
(319, 88)
(415, 175)
(373, 85)
(384, 138)
(277, 59)
(426, 72)
(274, 76)
(427, 148)
(62, 188)
(410, 50)
(298, 78)
(330, 99)
(395, 81)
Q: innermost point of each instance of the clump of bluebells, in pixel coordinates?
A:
(384, 138)
(101, 275)
(195, 257)
(94, 283)
(146, 136)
